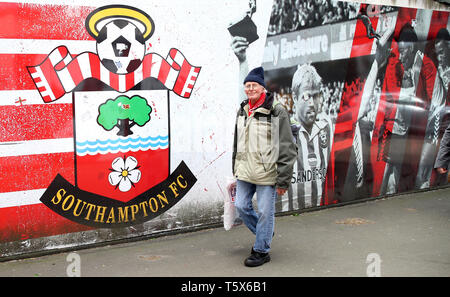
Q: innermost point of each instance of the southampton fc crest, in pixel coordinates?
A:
(121, 122)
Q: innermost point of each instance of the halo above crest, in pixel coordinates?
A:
(103, 15)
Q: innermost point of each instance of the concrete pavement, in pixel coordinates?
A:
(406, 235)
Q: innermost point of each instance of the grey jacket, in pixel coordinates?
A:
(443, 156)
(263, 150)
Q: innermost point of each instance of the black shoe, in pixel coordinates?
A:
(257, 259)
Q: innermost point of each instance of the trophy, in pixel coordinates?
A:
(246, 27)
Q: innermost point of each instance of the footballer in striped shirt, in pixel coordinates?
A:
(313, 139)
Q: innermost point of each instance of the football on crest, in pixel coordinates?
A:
(120, 46)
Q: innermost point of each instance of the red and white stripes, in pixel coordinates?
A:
(61, 73)
(36, 138)
(36, 112)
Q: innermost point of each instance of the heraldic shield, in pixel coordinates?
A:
(120, 99)
(121, 142)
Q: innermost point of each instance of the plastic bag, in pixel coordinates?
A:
(229, 211)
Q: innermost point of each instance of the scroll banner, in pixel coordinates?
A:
(61, 73)
(97, 211)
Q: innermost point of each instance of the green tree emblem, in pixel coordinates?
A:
(123, 113)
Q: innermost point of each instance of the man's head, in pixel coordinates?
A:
(407, 41)
(254, 84)
(442, 47)
(306, 84)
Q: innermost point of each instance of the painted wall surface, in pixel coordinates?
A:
(379, 116)
(117, 121)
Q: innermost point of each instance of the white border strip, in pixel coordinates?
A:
(36, 147)
(11, 97)
(20, 198)
(45, 46)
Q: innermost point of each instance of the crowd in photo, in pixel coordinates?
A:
(331, 97)
(292, 15)
(332, 93)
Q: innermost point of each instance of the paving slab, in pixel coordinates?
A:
(405, 235)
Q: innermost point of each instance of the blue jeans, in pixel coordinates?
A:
(262, 223)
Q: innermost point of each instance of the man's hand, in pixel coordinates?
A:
(239, 45)
(442, 170)
(281, 191)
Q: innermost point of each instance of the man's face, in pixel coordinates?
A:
(253, 90)
(405, 50)
(307, 108)
(442, 52)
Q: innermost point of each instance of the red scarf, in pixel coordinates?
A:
(251, 107)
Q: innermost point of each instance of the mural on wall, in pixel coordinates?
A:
(367, 90)
(121, 139)
(114, 118)
(101, 137)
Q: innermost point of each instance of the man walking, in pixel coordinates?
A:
(263, 158)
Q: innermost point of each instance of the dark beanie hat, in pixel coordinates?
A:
(407, 34)
(256, 75)
(443, 34)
